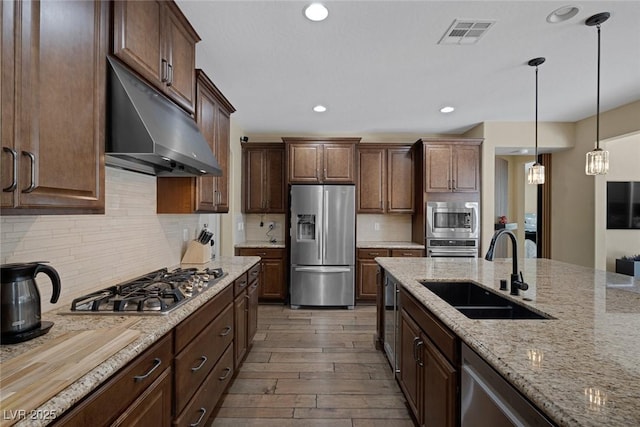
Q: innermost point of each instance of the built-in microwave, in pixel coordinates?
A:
(453, 220)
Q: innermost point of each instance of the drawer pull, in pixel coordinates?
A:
(374, 253)
(226, 331)
(197, 423)
(156, 362)
(197, 368)
(261, 253)
(226, 374)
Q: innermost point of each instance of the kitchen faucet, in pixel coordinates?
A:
(517, 281)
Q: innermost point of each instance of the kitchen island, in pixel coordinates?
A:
(146, 330)
(582, 366)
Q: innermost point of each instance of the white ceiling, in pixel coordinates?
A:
(378, 68)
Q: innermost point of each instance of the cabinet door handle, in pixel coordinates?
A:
(453, 185)
(170, 74)
(449, 184)
(419, 360)
(156, 362)
(203, 361)
(225, 331)
(163, 71)
(31, 186)
(415, 349)
(226, 374)
(14, 180)
(197, 423)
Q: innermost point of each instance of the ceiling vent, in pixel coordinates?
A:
(465, 31)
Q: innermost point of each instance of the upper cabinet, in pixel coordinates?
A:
(204, 193)
(385, 179)
(452, 166)
(52, 89)
(263, 186)
(155, 39)
(319, 161)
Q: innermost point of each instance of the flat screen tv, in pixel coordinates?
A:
(623, 205)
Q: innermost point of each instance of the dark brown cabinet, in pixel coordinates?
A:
(246, 291)
(155, 39)
(53, 136)
(385, 179)
(317, 161)
(205, 193)
(139, 389)
(368, 278)
(452, 168)
(273, 265)
(263, 175)
(429, 365)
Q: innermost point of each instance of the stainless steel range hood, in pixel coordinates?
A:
(148, 133)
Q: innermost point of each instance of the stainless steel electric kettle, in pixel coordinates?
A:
(20, 301)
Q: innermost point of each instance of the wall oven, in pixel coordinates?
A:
(453, 229)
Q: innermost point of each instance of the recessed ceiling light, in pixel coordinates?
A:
(562, 14)
(319, 108)
(447, 109)
(316, 12)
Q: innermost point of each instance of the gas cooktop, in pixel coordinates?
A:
(158, 292)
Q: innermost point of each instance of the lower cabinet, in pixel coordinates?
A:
(179, 380)
(140, 388)
(273, 283)
(368, 277)
(429, 365)
(246, 290)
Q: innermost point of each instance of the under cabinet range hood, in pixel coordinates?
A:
(148, 133)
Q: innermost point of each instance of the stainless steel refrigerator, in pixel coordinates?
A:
(323, 219)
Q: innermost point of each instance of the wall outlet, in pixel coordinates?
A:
(271, 225)
(376, 226)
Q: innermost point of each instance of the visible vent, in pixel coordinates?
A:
(465, 31)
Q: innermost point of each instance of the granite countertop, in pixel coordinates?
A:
(261, 244)
(590, 348)
(152, 328)
(388, 245)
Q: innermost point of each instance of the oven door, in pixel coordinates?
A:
(452, 252)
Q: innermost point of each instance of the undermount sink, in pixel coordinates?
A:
(476, 302)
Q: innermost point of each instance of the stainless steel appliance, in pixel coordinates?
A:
(453, 229)
(158, 292)
(391, 322)
(486, 396)
(322, 245)
(20, 301)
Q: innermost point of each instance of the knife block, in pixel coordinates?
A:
(197, 253)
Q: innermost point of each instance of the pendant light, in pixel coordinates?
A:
(598, 159)
(536, 171)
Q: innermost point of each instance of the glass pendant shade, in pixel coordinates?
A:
(536, 174)
(597, 162)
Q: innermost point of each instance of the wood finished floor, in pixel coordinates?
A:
(314, 368)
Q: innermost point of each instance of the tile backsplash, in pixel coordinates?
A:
(94, 251)
(383, 228)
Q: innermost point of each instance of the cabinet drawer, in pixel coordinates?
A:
(372, 253)
(407, 252)
(111, 399)
(262, 252)
(192, 325)
(240, 284)
(254, 273)
(445, 340)
(199, 409)
(196, 360)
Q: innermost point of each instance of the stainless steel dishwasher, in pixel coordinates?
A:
(487, 399)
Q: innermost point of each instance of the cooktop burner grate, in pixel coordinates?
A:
(157, 292)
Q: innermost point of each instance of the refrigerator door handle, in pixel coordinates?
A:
(323, 269)
(325, 226)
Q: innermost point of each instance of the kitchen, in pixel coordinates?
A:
(88, 246)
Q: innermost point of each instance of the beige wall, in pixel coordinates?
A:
(624, 157)
(578, 231)
(230, 235)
